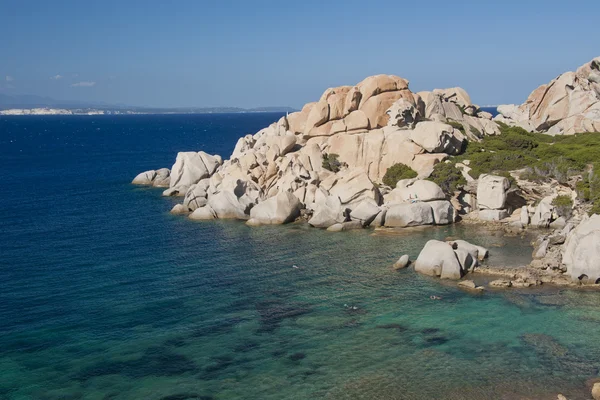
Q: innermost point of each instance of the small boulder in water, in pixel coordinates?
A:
(402, 262)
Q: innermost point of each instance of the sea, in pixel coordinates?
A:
(105, 295)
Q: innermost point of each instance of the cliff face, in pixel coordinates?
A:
(567, 105)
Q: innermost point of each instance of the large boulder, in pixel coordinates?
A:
(327, 212)
(439, 259)
(280, 209)
(226, 205)
(365, 212)
(409, 214)
(581, 254)
(478, 252)
(189, 168)
(443, 212)
(144, 178)
(491, 192)
(437, 137)
(408, 190)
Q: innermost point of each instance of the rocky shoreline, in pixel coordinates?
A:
(379, 155)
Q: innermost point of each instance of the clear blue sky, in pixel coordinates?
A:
(259, 53)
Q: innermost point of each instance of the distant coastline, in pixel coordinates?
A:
(139, 111)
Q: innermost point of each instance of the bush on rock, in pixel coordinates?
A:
(398, 172)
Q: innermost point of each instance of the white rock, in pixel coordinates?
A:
(421, 190)
(280, 209)
(402, 262)
(226, 205)
(365, 212)
(492, 215)
(195, 197)
(203, 213)
(443, 212)
(437, 137)
(190, 167)
(491, 192)
(478, 252)
(581, 254)
(438, 259)
(524, 218)
(409, 214)
(144, 178)
(327, 213)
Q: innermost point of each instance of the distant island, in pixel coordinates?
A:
(38, 105)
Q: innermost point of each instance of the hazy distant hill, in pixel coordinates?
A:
(32, 101)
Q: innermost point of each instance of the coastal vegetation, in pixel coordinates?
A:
(331, 162)
(398, 172)
(448, 177)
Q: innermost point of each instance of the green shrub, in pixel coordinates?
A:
(456, 125)
(448, 177)
(398, 172)
(564, 205)
(331, 162)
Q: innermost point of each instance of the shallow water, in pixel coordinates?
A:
(105, 295)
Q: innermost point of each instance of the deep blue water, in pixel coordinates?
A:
(105, 295)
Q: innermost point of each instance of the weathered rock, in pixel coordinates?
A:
(581, 254)
(466, 260)
(365, 212)
(438, 259)
(540, 249)
(543, 214)
(409, 214)
(491, 192)
(569, 104)
(190, 167)
(402, 262)
(280, 209)
(203, 213)
(501, 283)
(327, 213)
(226, 205)
(524, 217)
(470, 285)
(144, 178)
(403, 114)
(345, 226)
(437, 137)
(408, 190)
(558, 223)
(492, 215)
(162, 178)
(195, 197)
(179, 209)
(478, 252)
(596, 391)
(443, 212)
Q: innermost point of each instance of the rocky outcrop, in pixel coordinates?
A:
(567, 105)
(189, 168)
(359, 131)
(156, 178)
(444, 260)
(581, 254)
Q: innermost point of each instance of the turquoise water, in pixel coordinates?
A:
(105, 295)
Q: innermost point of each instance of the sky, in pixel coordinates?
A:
(280, 53)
